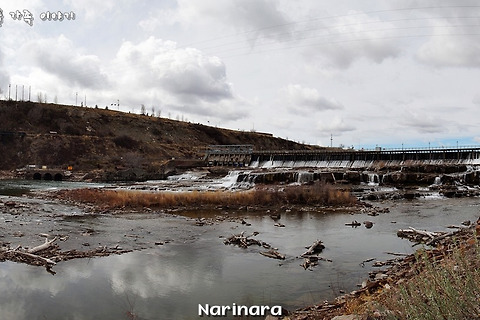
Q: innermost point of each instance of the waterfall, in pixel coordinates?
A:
(373, 179)
(304, 177)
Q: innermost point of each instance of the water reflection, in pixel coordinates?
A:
(168, 282)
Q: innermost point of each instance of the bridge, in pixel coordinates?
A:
(45, 173)
(245, 155)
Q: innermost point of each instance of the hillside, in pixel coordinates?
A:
(106, 140)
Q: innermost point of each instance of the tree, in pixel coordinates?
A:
(143, 110)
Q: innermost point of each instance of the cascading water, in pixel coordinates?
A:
(237, 180)
(373, 179)
(304, 177)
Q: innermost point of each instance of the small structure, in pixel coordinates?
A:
(34, 172)
(238, 155)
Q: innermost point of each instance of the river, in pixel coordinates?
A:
(194, 267)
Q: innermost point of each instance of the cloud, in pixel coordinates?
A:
(185, 73)
(4, 76)
(60, 57)
(253, 16)
(184, 79)
(335, 126)
(456, 50)
(342, 40)
(299, 98)
(423, 123)
(91, 9)
(476, 99)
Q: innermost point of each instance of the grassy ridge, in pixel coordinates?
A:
(317, 194)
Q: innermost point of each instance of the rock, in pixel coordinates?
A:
(368, 224)
(10, 204)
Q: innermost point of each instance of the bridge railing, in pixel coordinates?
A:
(230, 149)
(378, 150)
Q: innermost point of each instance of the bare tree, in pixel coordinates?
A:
(143, 110)
(40, 97)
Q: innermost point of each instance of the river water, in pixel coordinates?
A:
(171, 280)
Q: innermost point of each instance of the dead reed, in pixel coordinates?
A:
(316, 194)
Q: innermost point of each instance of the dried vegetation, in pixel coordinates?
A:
(316, 194)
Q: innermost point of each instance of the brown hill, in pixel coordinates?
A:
(106, 140)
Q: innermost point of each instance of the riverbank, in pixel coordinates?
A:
(433, 283)
(197, 234)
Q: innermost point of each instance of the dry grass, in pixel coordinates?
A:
(317, 194)
(447, 289)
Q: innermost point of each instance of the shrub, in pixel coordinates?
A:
(447, 289)
(125, 142)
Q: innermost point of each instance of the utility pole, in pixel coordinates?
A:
(331, 140)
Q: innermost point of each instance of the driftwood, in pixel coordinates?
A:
(312, 261)
(273, 254)
(315, 248)
(309, 262)
(48, 254)
(354, 223)
(33, 256)
(311, 257)
(419, 236)
(245, 241)
(41, 247)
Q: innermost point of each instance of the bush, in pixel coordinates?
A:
(126, 142)
(446, 289)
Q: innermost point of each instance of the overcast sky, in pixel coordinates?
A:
(366, 72)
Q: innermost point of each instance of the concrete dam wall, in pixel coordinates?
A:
(367, 160)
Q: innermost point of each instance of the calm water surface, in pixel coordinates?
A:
(169, 281)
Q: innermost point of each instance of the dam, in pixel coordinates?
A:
(246, 155)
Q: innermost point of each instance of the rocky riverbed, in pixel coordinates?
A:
(81, 230)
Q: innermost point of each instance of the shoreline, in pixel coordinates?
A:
(360, 303)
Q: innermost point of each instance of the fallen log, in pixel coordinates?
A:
(354, 223)
(273, 254)
(438, 238)
(41, 247)
(244, 241)
(419, 236)
(33, 256)
(315, 248)
(309, 262)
